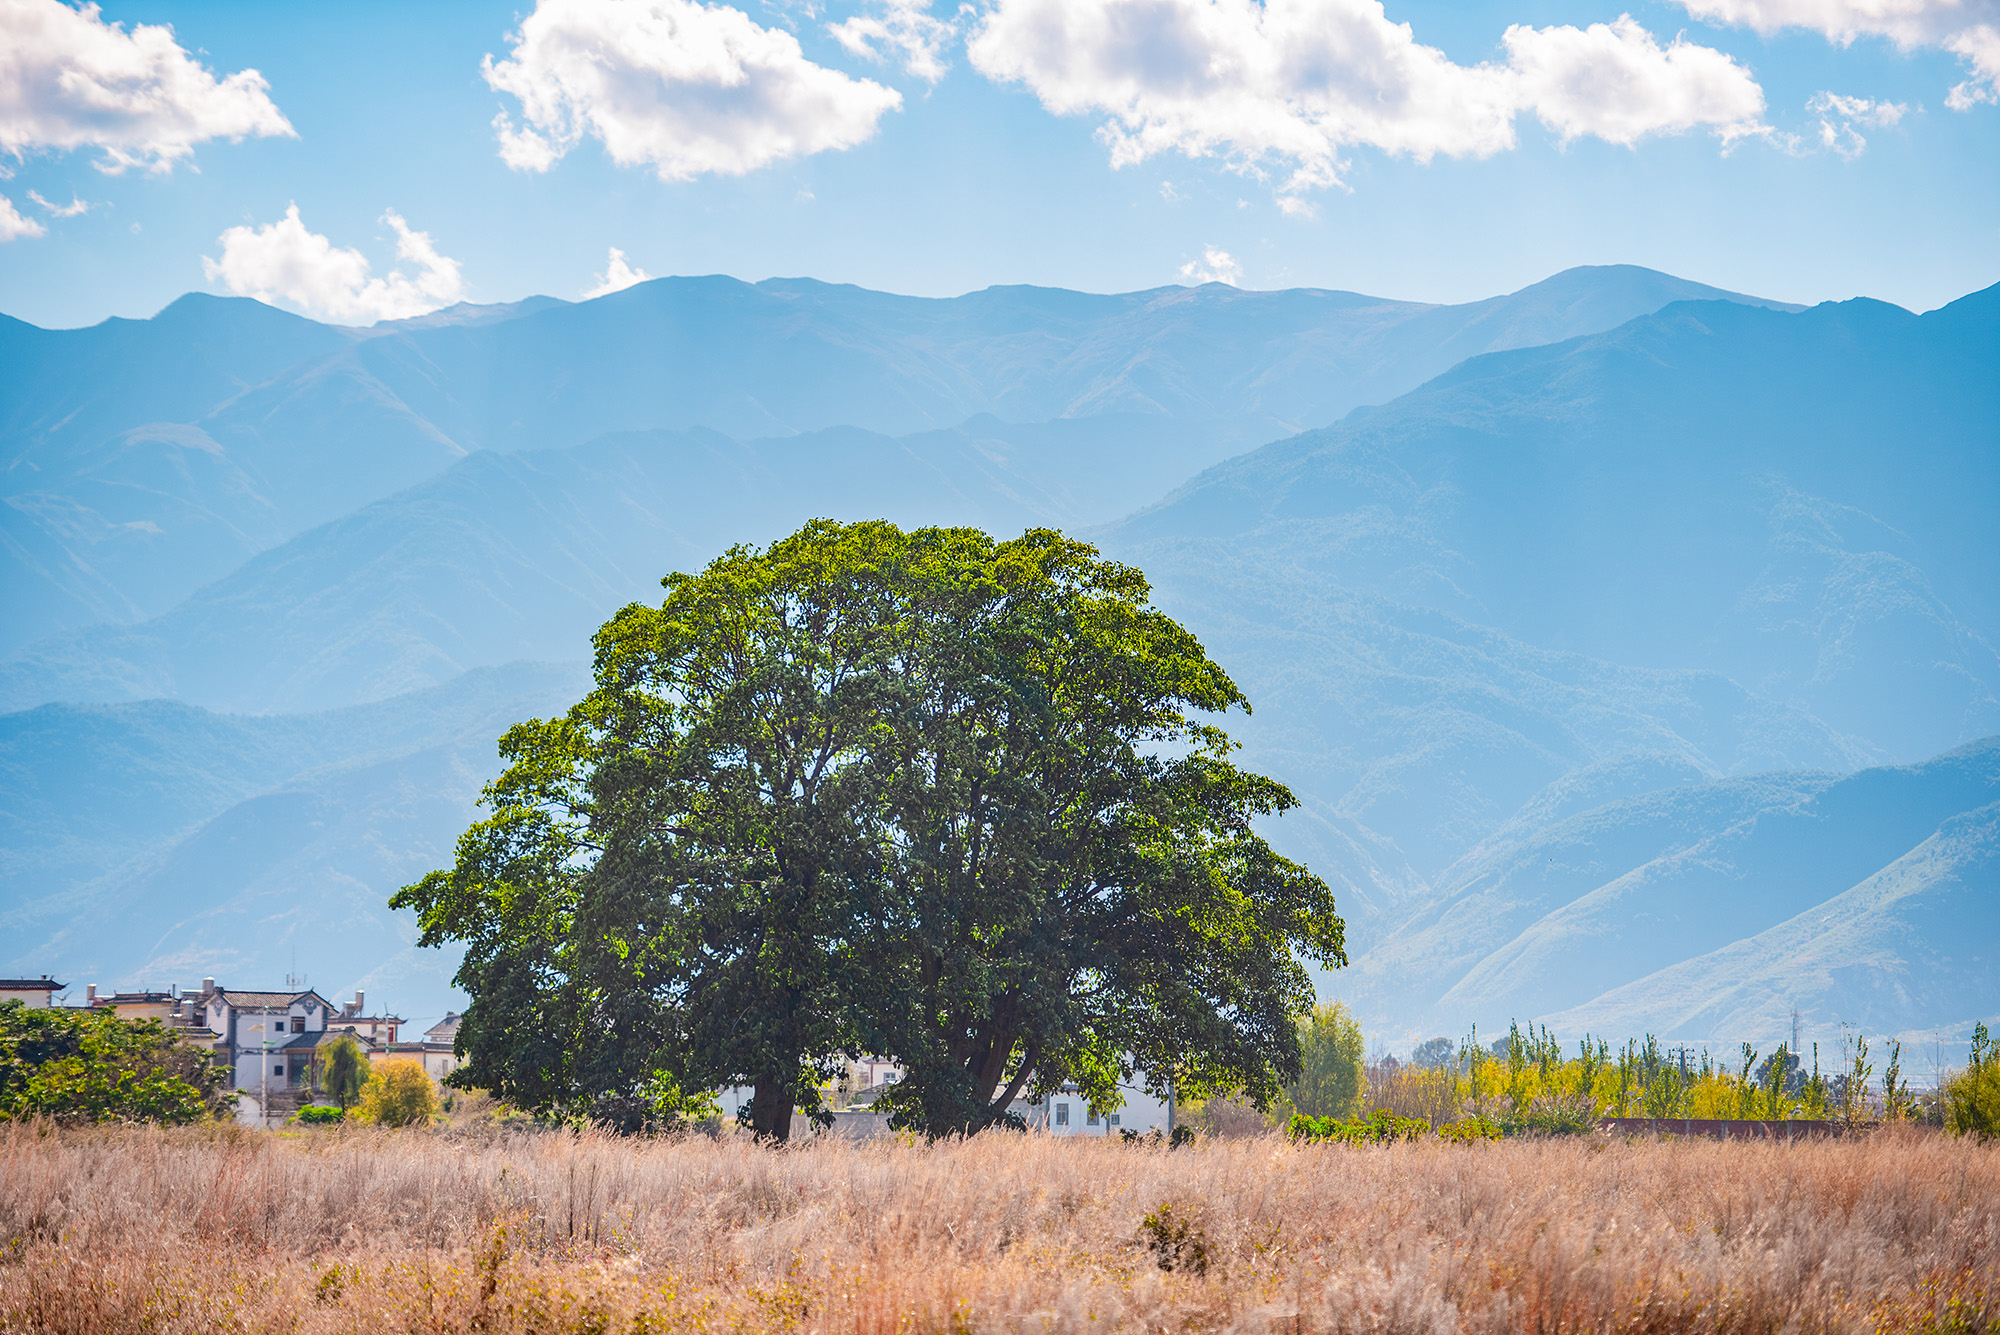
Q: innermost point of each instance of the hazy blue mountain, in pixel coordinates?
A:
(141, 460)
(1708, 912)
(1800, 501)
(1715, 542)
(156, 843)
(1911, 950)
(521, 556)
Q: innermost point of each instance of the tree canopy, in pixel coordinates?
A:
(91, 1066)
(345, 1071)
(1333, 1065)
(950, 800)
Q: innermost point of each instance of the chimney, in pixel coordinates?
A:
(90, 995)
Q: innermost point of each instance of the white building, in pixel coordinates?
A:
(265, 1039)
(437, 1051)
(34, 993)
(1067, 1113)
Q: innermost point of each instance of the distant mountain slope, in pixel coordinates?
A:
(521, 556)
(155, 842)
(1802, 502)
(140, 460)
(1708, 912)
(1914, 947)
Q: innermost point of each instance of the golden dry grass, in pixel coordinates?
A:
(215, 1231)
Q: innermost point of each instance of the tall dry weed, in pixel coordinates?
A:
(216, 1230)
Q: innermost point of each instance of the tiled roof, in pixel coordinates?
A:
(30, 985)
(268, 1000)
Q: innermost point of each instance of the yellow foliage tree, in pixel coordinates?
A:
(399, 1092)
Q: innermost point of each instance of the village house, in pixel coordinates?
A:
(1066, 1113)
(161, 1006)
(265, 1040)
(34, 993)
(436, 1051)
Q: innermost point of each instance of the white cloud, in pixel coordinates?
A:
(906, 28)
(75, 208)
(14, 226)
(1838, 117)
(1291, 83)
(684, 88)
(70, 80)
(617, 276)
(1615, 82)
(1969, 29)
(1216, 265)
(284, 264)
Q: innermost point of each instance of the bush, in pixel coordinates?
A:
(1471, 1130)
(90, 1066)
(1557, 1115)
(320, 1115)
(1381, 1126)
(399, 1092)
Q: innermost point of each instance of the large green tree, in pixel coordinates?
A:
(672, 870)
(948, 799)
(1078, 894)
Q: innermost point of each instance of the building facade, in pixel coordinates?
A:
(34, 993)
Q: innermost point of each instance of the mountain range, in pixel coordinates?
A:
(1629, 643)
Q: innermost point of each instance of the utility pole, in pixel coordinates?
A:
(264, 1101)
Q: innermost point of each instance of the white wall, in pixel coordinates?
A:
(1067, 1114)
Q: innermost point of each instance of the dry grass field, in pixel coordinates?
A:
(214, 1230)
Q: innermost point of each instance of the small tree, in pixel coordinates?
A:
(1433, 1053)
(1332, 1065)
(399, 1092)
(1972, 1097)
(1896, 1099)
(1854, 1091)
(346, 1071)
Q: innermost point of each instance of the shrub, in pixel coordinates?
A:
(1176, 1240)
(1470, 1130)
(399, 1092)
(90, 1066)
(1557, 1115)
(320, 1115)
(1380, 1126)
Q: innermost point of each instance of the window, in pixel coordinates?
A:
(279, 1069)
(1062, 1114)
(298, 1024)
(1092, 1119)
(1114, 1119)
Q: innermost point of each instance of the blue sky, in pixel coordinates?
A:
(1089, 144)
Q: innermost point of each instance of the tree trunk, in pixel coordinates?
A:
(771, 1109)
